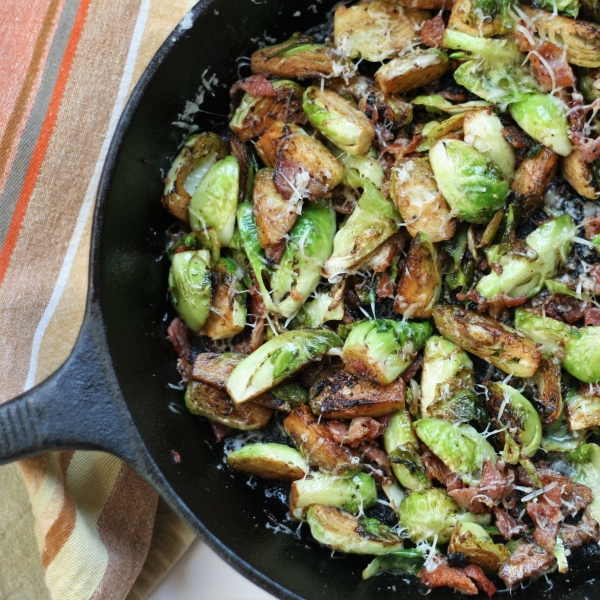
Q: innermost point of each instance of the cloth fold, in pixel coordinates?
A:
(88, 525)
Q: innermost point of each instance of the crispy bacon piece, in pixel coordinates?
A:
(527, 560)
(591, 316)
(178, 334)
(471, 499)
(546, 518)
(496, 305)
(507, 526)
(385, 287)
(584, 532)
(565, 308)
(445, 576)
(475, 572)
(259, 310)
(434, 467)
(561, 74)
(595, 274)
(275, 252)
(523, 41)
(361, 429)
(591, 226)
(375, 454)
(403, 146)
(412, 370)
(185, 369)
(219, 431)
(432, 32)
(589, 148)
(238, 149)
(256, 85)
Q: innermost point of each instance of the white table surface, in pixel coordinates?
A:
(201, 575)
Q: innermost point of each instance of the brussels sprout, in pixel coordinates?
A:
(432, 515)
(472, 184)
(376, 30)
(523, 276)
(317, 445)
(483, 18)
(475, 543)
(309, 245)
(533, 178)
(415, 192)
(544, 118)
(199, 153)
(337, 395)
(438, 104)
(256, 114)
(587, 472)
(215, 368)
(583, 408)
(588, 83)
(410, 560)
(359, 168)
(483, 131)
(284, 398)
(214, 202)
(569, 8)
(581, 39)
(416, 69)
(552, 335)
(269, 461)
(206, 401)
(506, 348)
(228, 312)
(382, 349)
(580, 175)
(496, 72)
(267, 144)
(515, 416)
(300, 58)
(190, 287)
(434, 130)
(274, 215)
(548, 400)
(402, 445)
(460, 448)
(373, 221)
(352, 494)
(447, 382)
(583, 354)
(559, 438)
(276, 360)
(337, 119)
(314, 313)
(421, 282)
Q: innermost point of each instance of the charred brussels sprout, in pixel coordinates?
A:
(336, 118)
(352, 494)
(279, 358)
(382, 349)
(214, 203)
(359, 168)
(199, 153)
(402, 446)
(269, 461)
(587, 465)
(550, 334)
(460, 448)
(344, 532)
(309, 245)
(524, 276)
(484, 18)
(544, 118)
(583, 354)
(589, 85)
(506, 348)
(432, 515)
(447, 383)
(583, 408)
(475, 543)
(409, 560)
(373, 221)
(473, 185)
(190, 287)
(228, 313)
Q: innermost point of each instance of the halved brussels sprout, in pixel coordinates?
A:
(276, 360)
(256, 114)
(587, 464)
(421, 282)
(447, 382)
(382, 349)
(284, 398)
(415, 192)
(352, 494)
(315, 312)
(206, 401)
(544, 118)
(506, 348)
(583, 354)
(484, 18)
(550, 334)
(483, 131)
(190, 287)
(336, 118)
(515, 417)
(373, 221)
(579, 174)
(432, 515)
(310, 244)
(474, 542)
(402, 447)
(269, 461)
(434, 131)
(583, 408)
(214, 203)
(299, 58)
(199, 153)
(588, 83)
(409, 560)
(524, 276)
(375, 30)
(316, 443)
(548, 400)
(472, 184)
(533, 178)
(215, 368)
(416, 69)
(460, 447)
(569, 8)
(359, 168)
(267, 145)
(438, 104)
(346, 533)
(228, 312)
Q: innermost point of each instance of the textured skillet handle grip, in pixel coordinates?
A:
(79, 407)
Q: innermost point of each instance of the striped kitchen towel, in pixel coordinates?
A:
(74, 525)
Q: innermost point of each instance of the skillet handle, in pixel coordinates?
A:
(79, 407)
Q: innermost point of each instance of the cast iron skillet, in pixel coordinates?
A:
(112, 393)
